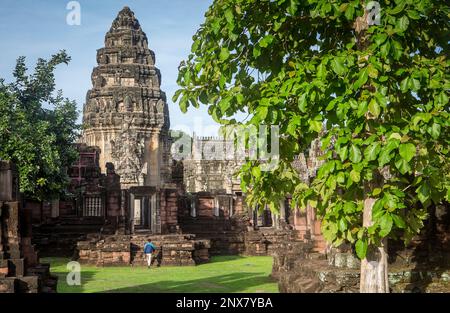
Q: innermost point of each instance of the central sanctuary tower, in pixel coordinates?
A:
(126, 114)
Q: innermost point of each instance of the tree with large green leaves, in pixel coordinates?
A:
(374, 89)
(38, 128)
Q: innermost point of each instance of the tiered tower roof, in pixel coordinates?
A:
(126, 81)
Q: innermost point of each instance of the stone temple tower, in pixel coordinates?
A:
(126, 114)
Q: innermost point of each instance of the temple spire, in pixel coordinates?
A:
(125, 20)
(126, 113)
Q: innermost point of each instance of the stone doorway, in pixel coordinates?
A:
(142, 213)
(143, 209)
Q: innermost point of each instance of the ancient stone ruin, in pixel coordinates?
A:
(126, 188)
(20, 270)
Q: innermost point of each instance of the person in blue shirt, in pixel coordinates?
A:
(149, 248)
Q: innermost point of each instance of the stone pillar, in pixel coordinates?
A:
(12, 242)
(154, 166)
(131, 211)
(3, 261)
(283, 210)
(238, 205)
(55, 208)
(153, 210)
(9, 182)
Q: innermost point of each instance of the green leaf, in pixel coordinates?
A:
(385, 225)
(397, 49)
(398, 221)
(337, 64)
(292, 9)
(256, 172)
(362, 78)
(184, 103)
(362, 108)
(343, 153)
(355, 176)
(266, 41)
(407, 151)
(316, 126)
(376, 191)
(404, 85)
(321, 71)
(373, 72)
(256, 51)
(385, 49)
(385, 157)
(229, 16)
(402, 24)
(224, 54)
(342, 225)
(402, 165)
(394, 143)
(361, 248)
(224, 104)
(262, 112)
(398, 8)
(372, 151)
(355, 154)
(302, 103)
(414, 84)
(374, 108)
(413, 14)
(379, 38)
(423, 192)
(340, 178)
(349, 12)
(434, 130)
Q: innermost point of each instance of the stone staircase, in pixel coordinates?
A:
(225, 236)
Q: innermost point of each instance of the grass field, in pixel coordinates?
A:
(222, 274)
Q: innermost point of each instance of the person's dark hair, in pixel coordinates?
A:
(149, 240)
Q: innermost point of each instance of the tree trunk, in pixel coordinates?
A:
(374, 268)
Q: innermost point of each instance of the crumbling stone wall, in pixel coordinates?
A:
(423, 266)
(169, 200)
(265, 241)
(20, 270)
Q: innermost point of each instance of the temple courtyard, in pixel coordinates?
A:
(222, 274)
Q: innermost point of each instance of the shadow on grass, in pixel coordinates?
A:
(63, 286)
(224, 258)
(245, 281)
(236, 282)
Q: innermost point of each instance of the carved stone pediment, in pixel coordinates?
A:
(127, 150)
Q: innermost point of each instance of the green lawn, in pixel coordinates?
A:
(222, 274)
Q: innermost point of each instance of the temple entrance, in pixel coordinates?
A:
(142, 213)
(143, 209)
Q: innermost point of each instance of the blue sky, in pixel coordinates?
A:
(38, 29)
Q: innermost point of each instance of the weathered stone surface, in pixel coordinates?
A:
(9, 182)
(298, 268)
(7, 285)
(18, 258)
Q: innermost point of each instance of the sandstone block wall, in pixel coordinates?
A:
(20, 270)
